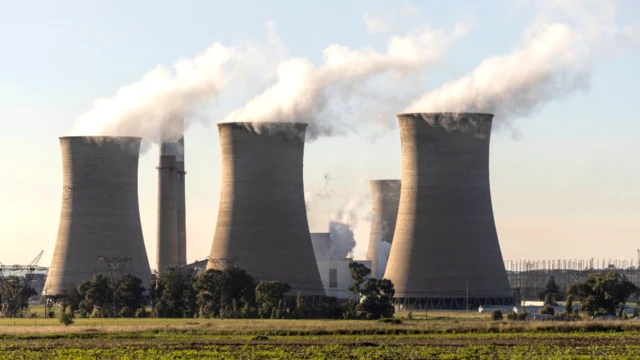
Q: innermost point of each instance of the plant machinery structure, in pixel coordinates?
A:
(100, 216)
(262, 220)
(385, 196)
(445, 251)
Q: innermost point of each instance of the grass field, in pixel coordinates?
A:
(442, 335)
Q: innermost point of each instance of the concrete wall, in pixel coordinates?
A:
(262, 217)
(445, 240)
(385, 197)
(100, 214)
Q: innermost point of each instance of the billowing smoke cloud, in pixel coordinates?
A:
(315, 192)
(552, 60)
(346, 220)
(329, 96)
(155, 106)
(383, 23)
(383, 249)
(342, 240)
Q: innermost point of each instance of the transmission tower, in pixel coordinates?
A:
(11, 295)
(116, 266)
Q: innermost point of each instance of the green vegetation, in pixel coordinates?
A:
(14, 296)
(496, 315)
(225, 314)
(551, 292)
(443, 335)
(601, 294)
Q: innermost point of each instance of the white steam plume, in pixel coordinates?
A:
(328, 96)
(346, 220)
(383, 23)
(552, 60)
(342, 240)
(154, 106)
(315, 192)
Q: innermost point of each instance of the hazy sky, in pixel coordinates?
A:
(564, 180)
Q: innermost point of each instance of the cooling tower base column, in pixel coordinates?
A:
(451, 303)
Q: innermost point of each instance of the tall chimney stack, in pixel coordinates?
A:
(172, 234)
(181, 205)
(167, 247)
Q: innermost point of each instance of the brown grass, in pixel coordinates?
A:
(446, 323)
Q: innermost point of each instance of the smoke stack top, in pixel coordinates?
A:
(288, 130)
(130, 144)
(478, 124)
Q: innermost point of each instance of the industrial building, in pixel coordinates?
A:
(445, 252)
(385, 197)
(262, 222)
(100, 218)
(335, 274)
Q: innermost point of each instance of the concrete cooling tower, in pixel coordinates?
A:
(385, 196)
(445, 251)
(100, 218)
(262, 220)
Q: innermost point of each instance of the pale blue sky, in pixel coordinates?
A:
(566, 188)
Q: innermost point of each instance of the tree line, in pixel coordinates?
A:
(228, 293)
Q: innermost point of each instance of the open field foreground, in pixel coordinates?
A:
(441, 336)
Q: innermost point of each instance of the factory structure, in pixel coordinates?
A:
(334, 270)
(445, 252)
(432, 232)
(100, 219)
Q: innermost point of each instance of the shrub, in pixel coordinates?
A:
(512, 315)
(52, 314)
(143, 313)
(548, 310)
(523, 315)
(66, 319)
(390, 321)
(496, 314)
